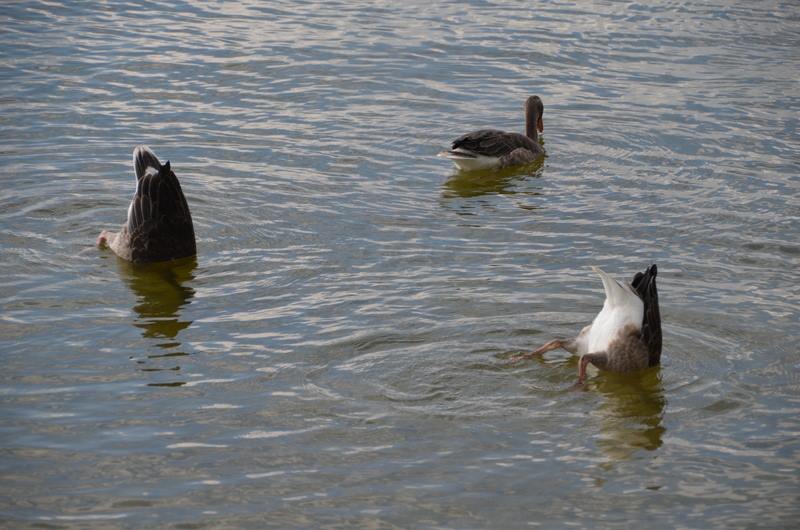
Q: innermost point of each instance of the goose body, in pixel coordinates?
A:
(159, 225)
(625, 336)
(492, 148)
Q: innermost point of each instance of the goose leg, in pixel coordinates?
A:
(552, 345)
(598, 359)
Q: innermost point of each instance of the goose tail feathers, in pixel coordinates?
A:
(145, 161)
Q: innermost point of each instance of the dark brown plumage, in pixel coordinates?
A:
(492, 142)
(644, 283)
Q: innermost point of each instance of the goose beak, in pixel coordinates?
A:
(540, 124)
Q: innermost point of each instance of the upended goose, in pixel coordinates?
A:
(159, 225)
(490, 148)
(625, 336)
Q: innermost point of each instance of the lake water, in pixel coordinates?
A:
(335, 357)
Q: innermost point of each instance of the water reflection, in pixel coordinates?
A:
(632, 413)
(466, 184)
(161, 292)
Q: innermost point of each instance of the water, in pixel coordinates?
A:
(334, 357)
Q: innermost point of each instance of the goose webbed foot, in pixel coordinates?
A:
(578, 385)
(103, 238)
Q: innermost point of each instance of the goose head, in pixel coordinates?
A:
(534, 109)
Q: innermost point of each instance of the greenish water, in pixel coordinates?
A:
(334, 357)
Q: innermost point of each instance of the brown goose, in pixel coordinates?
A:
(159, 225)
(490, 148)
(625, 336)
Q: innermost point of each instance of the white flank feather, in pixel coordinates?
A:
(469, 161)
(621, 308)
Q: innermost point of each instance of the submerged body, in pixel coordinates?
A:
(492, 148)
(159, 225)
(625, 336)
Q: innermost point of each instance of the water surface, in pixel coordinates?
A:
(335, 356)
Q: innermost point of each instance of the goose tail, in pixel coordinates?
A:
(145, 161)
(616, 294)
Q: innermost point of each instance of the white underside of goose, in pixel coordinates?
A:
(469, 161)
(622, 308)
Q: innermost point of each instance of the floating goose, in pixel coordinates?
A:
(159, 226)
(626, 335)
(490, 148)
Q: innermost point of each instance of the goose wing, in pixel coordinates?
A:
(158, 199)
(644, 283)
(491, 142)
(159, 221)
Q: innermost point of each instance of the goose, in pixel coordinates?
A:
(159, 225)
(625, 336)
(490, 148)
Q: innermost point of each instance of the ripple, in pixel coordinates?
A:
(193, 445)
(343, 328)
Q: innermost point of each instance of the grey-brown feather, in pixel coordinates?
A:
(492, 142)
(517, 157)
(627, 352)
